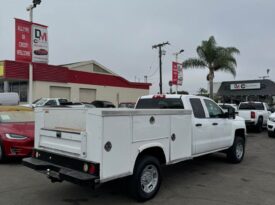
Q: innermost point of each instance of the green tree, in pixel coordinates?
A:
(215, 58)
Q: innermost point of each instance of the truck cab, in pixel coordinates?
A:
(212, 128)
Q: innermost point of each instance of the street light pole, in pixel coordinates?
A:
(30, 9)
(176, 55)
(159, 46)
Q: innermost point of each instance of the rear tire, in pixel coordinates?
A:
(235, 153)
(259, 126)
(146, 180)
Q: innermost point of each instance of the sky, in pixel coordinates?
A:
(119, 34)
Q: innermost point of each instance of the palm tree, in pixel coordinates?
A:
(215, 58)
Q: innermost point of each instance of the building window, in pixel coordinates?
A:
(21, 88)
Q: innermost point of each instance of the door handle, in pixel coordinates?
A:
(198, 125)
(173, 137)
(214, 123)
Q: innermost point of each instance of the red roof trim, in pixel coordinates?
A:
(51, 73)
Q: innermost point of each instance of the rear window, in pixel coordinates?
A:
(251, 106)
(160, 103)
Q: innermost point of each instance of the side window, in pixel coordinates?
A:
(51, 103)
(197, 108)
(62, 101)
(213, 109)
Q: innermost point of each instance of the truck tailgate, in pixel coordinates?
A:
(61, 131)
(245, 114)
(71, 142)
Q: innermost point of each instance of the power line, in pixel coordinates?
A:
(155, 71)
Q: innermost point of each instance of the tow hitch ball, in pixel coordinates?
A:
(53, 176)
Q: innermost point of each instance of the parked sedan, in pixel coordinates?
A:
(103, 104)
(16, 131)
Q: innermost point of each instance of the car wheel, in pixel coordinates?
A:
(146, 180)
(1, 153)
(271, 134)
(235, 153)
(259, 126)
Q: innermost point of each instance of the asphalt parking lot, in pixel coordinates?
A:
(207, 180)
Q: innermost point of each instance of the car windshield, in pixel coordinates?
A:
(251, 106)
(16, 116)
(41, 102)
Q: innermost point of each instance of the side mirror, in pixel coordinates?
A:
(231, 113)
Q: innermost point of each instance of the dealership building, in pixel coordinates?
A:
(79, 82)
(247, 90)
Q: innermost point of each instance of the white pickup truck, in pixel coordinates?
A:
(255, 114)
(93, 146)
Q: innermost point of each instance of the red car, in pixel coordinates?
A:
(41, 52)
(16, 132)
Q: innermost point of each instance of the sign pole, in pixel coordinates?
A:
(30, 65)
(177, 62)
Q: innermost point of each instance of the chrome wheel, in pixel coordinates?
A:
(239, 151)
(149, 178)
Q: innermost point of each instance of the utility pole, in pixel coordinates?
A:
(159, 46)
(176, 55)
(30, 9)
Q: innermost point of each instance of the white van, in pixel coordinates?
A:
(9, 99)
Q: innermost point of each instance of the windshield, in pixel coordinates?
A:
(17, 116)
(41, 102)
(251, 106)
(36, 101)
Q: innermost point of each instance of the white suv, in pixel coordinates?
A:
(271, 125)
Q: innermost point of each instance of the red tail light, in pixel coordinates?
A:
(92, 169)
(89, 168)
(253, 115)
(159, 96)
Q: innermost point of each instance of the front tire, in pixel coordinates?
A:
(235, 153)
(271, 134)
(146, 180)
(2, 156)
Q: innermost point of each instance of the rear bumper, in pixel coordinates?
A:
(58, 173)
(250, 123)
